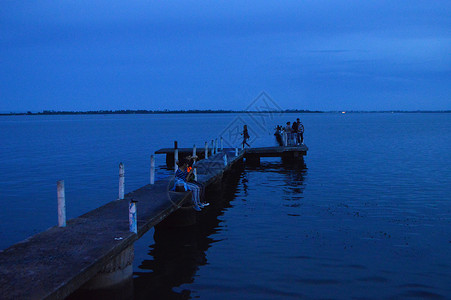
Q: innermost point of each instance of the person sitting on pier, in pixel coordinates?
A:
(190, 162)
(182, 176)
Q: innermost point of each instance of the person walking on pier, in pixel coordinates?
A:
(246, 136)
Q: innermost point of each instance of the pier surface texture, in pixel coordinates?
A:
(56, 262)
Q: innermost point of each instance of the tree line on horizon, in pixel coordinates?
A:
(194, 111)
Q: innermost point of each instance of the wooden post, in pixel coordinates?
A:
(152, 169)
(176, 158)
(195, 173)
(206, 150)
(61, 203)
(222, 144)
(225, 159)
(121, 181)
(132, 219)
(194, 150)
(236, 151)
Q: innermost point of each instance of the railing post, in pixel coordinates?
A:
(206, 150)
(152, 169)
(176, 158)
(236, 151)
(132, 216)
(216, 145)
(61, 203)
(176, 155)
(212, 147)
(121, 181)
(225, 159)
(194, 150)
(195, 173)
(222, 144)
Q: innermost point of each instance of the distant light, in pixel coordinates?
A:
(343, 112)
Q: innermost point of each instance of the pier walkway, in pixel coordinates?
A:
(56, 262)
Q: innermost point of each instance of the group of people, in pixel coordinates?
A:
(294, 133)
(185, 176)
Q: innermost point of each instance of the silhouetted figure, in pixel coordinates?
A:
(246, 136)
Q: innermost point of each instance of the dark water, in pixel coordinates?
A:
(368, 217)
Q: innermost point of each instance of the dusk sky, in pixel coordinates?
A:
(315, 55)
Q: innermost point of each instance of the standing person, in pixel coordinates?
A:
(295, 130)
(288, 131)
(246, 136)
(301, 132)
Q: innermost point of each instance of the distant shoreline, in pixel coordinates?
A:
(143, 112)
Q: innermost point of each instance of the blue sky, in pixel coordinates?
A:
(316, 54)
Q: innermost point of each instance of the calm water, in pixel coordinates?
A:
(369, 216)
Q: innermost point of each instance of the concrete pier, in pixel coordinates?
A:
(95, 249)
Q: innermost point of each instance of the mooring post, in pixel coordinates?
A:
(132, 216)
(152, 169)
(206, 150)
(176, 158)
(236, 151)
(61, 203)
(222, 144)
(121, 181)
(176, 155)
(225, 159)
(195, 173)
(194, 150)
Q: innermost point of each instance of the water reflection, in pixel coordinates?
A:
(178, 253)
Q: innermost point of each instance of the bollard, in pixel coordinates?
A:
(176, 158)
(222, 143)
(206, 150)
(194, 150)
(121, 181)
(152, 169)
(132, 216)
(61, 203)
(195, 173)
(236, 151)
(225, 160)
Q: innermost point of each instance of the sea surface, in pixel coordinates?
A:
(366, 216)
